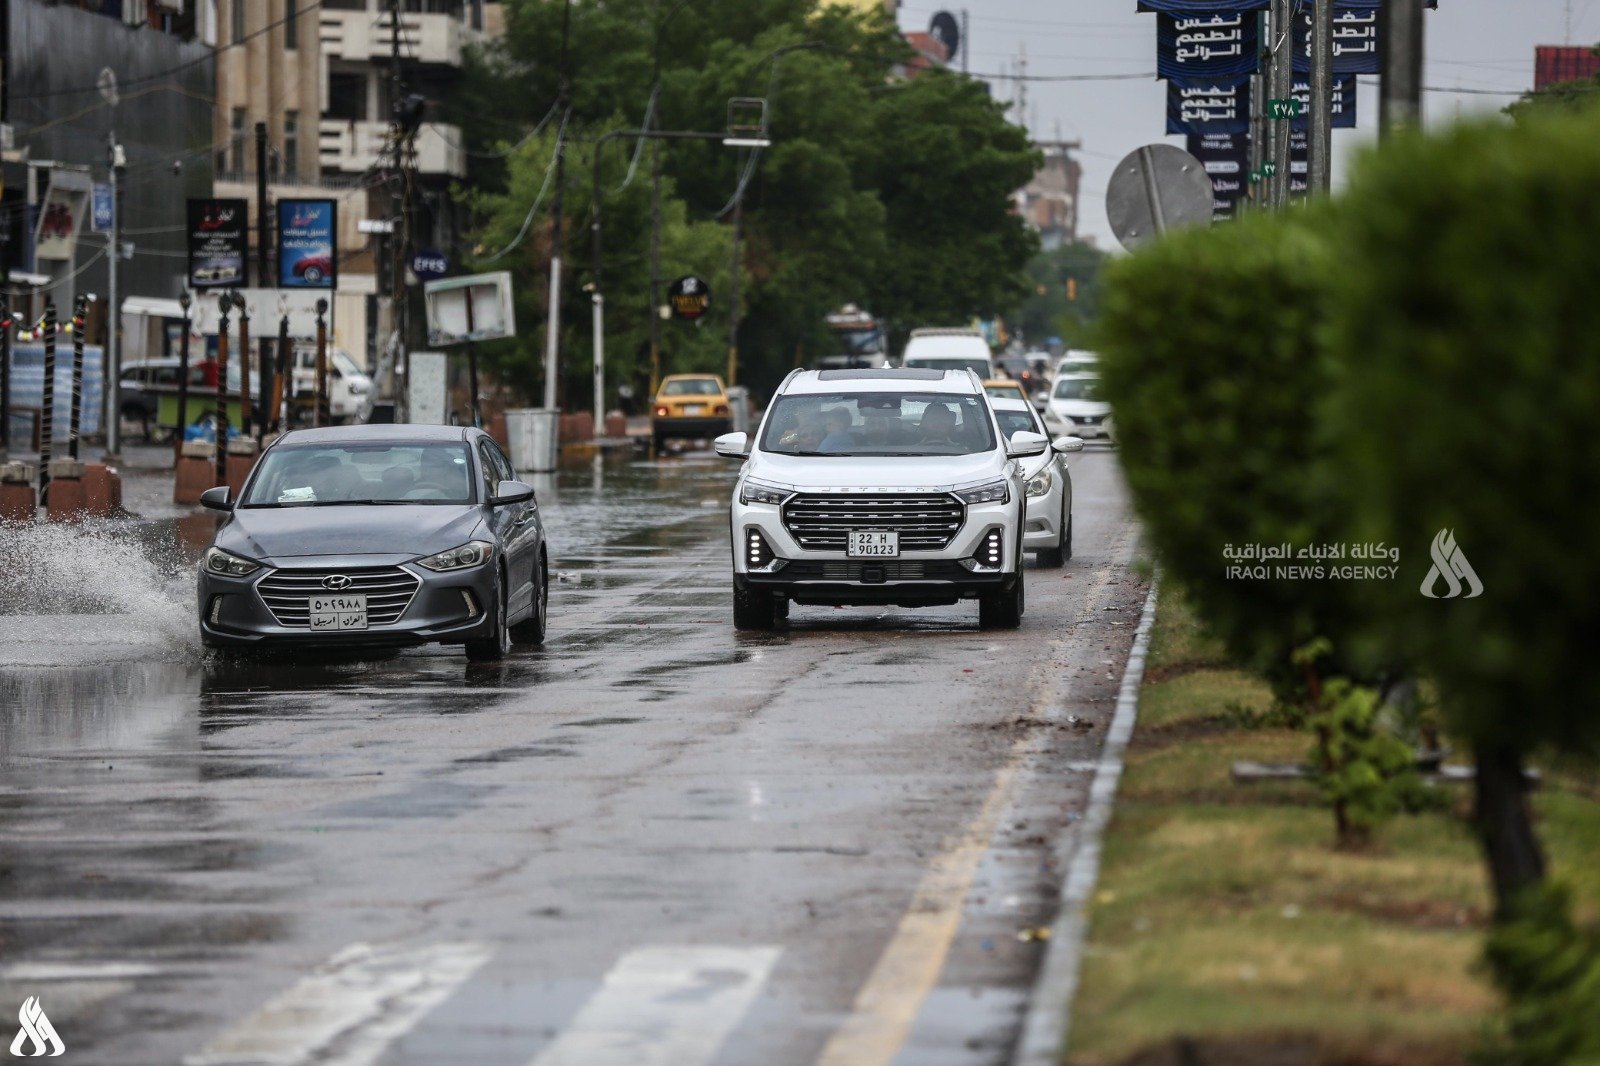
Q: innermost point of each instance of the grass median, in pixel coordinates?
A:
(1226, 927)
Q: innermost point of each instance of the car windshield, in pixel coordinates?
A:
(313, 475)
(979, 367)
(1078, 389)
(878, 423)
(1012, 422)
(691, 387)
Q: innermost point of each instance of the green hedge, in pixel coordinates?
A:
(1213, 363)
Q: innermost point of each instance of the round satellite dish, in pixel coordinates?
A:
(1156, 189)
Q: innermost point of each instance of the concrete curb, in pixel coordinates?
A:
(1048, 1018)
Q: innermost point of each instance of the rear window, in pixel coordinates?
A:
(979, 367)
(691, 387)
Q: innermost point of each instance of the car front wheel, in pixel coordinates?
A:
(754, 609)
(531, 629)
(498, 646)
(1002, 610)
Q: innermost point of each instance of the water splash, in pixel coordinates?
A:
(71, 594)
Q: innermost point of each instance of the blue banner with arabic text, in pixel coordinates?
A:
(1205, 49)
(1202, 109)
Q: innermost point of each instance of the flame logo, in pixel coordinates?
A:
(37, 1032)
(1450, 564)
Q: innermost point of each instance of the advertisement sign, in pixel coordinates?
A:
(1201, 7)
(308, 244)
(1226, 158)
(61, 215)
(1355, 40)
(102, 213)
(1212, 108)
(1343, 105)
(475, 308)
(430, 264)
(1202, 49)
(689, 298)
(219, 243)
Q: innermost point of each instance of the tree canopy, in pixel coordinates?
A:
(887, 192)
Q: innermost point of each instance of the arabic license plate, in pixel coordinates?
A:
(338, 612)
(694, 408)
(873, 544)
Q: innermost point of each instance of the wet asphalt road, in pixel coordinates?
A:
(652, 840)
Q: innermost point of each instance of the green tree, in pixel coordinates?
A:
(1064, 298)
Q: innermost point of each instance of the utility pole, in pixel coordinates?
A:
(552, 340)
(114, 305)
(966, 39)
(1258, 111)
(263, 261)
(399, 242)
(733, 284)
(1320, 178)
(1400, 94)
(1282, 78)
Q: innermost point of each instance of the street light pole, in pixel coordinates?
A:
(552, 338)
(1400, 92)
(114, 307)
(1321, 132)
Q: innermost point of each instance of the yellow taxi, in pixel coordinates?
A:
(693, 406)
(1005, 389)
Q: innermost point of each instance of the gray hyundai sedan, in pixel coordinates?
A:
(375, 535)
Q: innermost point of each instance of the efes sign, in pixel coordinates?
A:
(689, 298)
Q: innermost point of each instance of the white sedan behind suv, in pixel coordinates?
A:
(878, 487)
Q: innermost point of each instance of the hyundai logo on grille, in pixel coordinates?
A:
(336, 582)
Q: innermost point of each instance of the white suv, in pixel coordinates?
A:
(883, 486)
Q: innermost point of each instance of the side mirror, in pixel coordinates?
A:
(733, 445)
(1067, 444)
(217, 499)
(1024, 444)
(510, 492)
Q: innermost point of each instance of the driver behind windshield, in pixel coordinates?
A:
(938, 425)
(838, 438)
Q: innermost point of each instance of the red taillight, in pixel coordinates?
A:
(722, 409)
(661, 412)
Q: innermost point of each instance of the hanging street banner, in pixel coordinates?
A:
(1355, 41)
(308, 244)
(1299, 163)
(1202, 7)
(219, 242)
(1201, 109)
(1343, 105)
(689, 297)
(1226, 157)
(1206, 49)
(61, 214)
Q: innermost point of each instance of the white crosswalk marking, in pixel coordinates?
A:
(346, 1013)
(663, 1006)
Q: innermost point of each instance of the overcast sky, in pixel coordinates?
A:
(1471, 44)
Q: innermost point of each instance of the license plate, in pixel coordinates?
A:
(873, 544)
(338, 612)
(694, 408)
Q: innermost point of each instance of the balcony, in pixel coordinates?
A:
(362, 36)
(356, 147)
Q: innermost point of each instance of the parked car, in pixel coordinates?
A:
(1048, 532)
(693, 406)
(377, 535)
(1076, 407)
(1001, 388)
(890, 486)
(949, 349)
(348, 384)
(143, 384)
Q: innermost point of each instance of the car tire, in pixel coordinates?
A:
(1066, 540)
(780, 608)
(754, 609)
(1002, 610)
(531, 629)
(495, 648)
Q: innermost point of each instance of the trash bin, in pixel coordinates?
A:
(531, 433)
(739, 409)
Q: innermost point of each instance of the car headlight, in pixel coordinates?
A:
(756, 492)
(470, 554)
(992, 492)
(227, 564)
(1040, 483)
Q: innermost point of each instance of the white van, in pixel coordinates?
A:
(348, 384)
(949, 349)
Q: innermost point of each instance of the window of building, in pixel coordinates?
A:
(237, 12)
(291, 24)
(291, 143)
(347, 96)
(236, 141)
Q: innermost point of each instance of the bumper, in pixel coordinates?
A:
(695, 428)
(446, 609)
(913, 579)
(1042, 527)
(1087, 428)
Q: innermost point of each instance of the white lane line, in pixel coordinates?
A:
(1045, 1026)
(663, 1006)
(346, 1013)
(76, 971)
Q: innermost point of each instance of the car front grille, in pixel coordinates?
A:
(856, 570)
(821, 522)
(388, 589)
